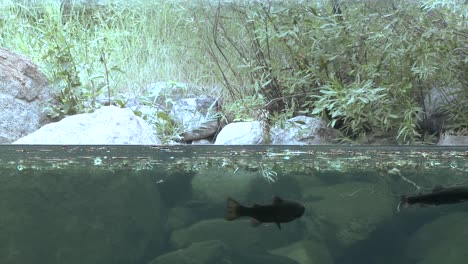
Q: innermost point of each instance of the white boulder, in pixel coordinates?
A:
(241, 133)
(107, 125)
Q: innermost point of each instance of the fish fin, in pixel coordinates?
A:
(437, 188)
(231, 212)
(278, 224)
(403, 202)
(254, 222)
(277, 200)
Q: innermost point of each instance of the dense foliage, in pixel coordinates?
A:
(366, 66)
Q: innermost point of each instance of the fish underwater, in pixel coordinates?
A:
(439, 195)
(280, 211)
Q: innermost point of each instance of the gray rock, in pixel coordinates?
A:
(302, 130)
(198, 117)
(452, 140)
(107, 125)
(241, 133)
(23, 95)
(436, 118)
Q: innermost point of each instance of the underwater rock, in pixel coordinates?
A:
(214, 187)
(241, 133)
(107, 125)
(180, 217)
(306, 252)
(350, 211)
(176, 187)
(24, 92)
(443, 240)
(217, 252)
(79, 216)
(206, 252)
(239, 235)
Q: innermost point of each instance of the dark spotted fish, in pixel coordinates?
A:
(439, 195)
(281, 211)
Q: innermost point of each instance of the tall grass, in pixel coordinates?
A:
(141, 42)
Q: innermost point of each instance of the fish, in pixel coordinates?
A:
(439, 195)
(280, 211)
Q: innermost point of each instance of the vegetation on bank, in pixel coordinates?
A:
(366, 66)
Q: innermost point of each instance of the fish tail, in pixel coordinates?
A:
(403, 202)
(232, 209)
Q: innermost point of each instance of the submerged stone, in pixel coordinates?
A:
(76, 217)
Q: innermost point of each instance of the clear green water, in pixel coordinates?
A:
(154, 204)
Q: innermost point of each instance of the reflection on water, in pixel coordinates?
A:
(159, 204)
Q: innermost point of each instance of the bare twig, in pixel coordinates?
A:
(371, 190)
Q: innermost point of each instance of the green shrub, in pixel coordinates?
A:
(367, 64)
